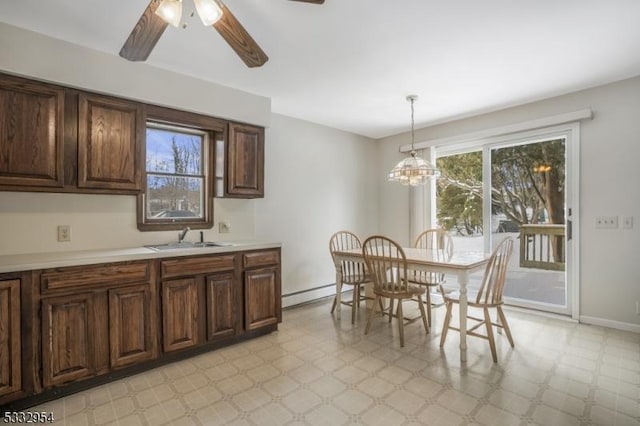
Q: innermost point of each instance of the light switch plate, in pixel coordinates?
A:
(627, 222)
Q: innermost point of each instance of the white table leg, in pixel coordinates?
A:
(338, 289)
(463, 280)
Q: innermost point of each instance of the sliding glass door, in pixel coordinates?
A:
(519, 188)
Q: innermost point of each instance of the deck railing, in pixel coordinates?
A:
(542, 247)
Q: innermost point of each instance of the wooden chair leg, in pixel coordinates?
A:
(489, 326)
(371, 314)
(401, 323)
(447, 321)
(505, 325)
(390, 309)
(429, 305)
(381, 306)
(333, 307)
(355, 302)
(424, 315)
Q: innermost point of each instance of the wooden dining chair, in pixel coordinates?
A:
(353, 273)
(489, 296)
(387, 265)
(440, 244)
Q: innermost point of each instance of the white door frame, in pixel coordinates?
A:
(571, 133)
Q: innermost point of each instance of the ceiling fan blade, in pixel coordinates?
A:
(311, 1)
(144, 35)
(240, 40)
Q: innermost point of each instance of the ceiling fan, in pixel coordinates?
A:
(160, 13)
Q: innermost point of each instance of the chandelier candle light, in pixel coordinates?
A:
(413, 170)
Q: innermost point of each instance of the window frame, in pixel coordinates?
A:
(214, 129)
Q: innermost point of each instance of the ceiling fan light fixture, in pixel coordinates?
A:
(170, 11)
(209, 11)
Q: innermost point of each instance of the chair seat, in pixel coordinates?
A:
(356, 279)
(454, 297)
(407, 294)
(418, 280)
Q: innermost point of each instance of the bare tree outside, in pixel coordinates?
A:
(174, 174)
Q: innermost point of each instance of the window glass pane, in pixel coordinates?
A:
(174, 197)
(171, 151)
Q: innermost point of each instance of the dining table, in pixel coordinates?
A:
(461, 264)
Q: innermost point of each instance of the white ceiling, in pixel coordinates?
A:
(349, 64)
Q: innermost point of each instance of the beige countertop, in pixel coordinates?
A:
(32, 261)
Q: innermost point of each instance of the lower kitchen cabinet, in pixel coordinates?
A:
(131, 329)
(85, 325)
(222, 300)
(179, 314)
(262, 297)
(10, 341)
(68, 333)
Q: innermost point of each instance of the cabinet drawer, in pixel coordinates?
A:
(261, 258)
(95, 275)
(197, 265)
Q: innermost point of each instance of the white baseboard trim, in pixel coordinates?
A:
(309, 295)
(625, 326)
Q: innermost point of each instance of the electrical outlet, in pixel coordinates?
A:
(224, 227)
(627, 222)
(607, 222)
(64, 233)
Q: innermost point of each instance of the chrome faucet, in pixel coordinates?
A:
(183, 234)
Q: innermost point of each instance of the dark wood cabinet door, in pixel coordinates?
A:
(131, 330)
(31, 133)
(68, 333)
(262, 297)
(245, 161)
(222, 317)
(10, 370)
(179, 314)
(110, 143)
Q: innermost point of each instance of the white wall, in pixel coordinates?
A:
(317, 181)
(610, 148)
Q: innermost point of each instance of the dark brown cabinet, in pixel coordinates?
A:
(96, 319)
(68, 332)
(68, 328)
(244, 174)
(262, 299)
(131, 329)
(31, 133)
(222, 301)
(10, 341)
(110, 143)
(200, 297)
(180, 314)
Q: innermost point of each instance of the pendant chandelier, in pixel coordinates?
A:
(413, 170)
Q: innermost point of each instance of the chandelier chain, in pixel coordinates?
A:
(412, 126)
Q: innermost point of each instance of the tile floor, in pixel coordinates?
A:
(319, 371)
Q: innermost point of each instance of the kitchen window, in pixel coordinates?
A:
(178, 171)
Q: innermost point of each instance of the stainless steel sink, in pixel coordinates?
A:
(186, 246)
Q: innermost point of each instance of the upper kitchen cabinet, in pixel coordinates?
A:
(244, 174)
(110, 143)
(31, 134)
